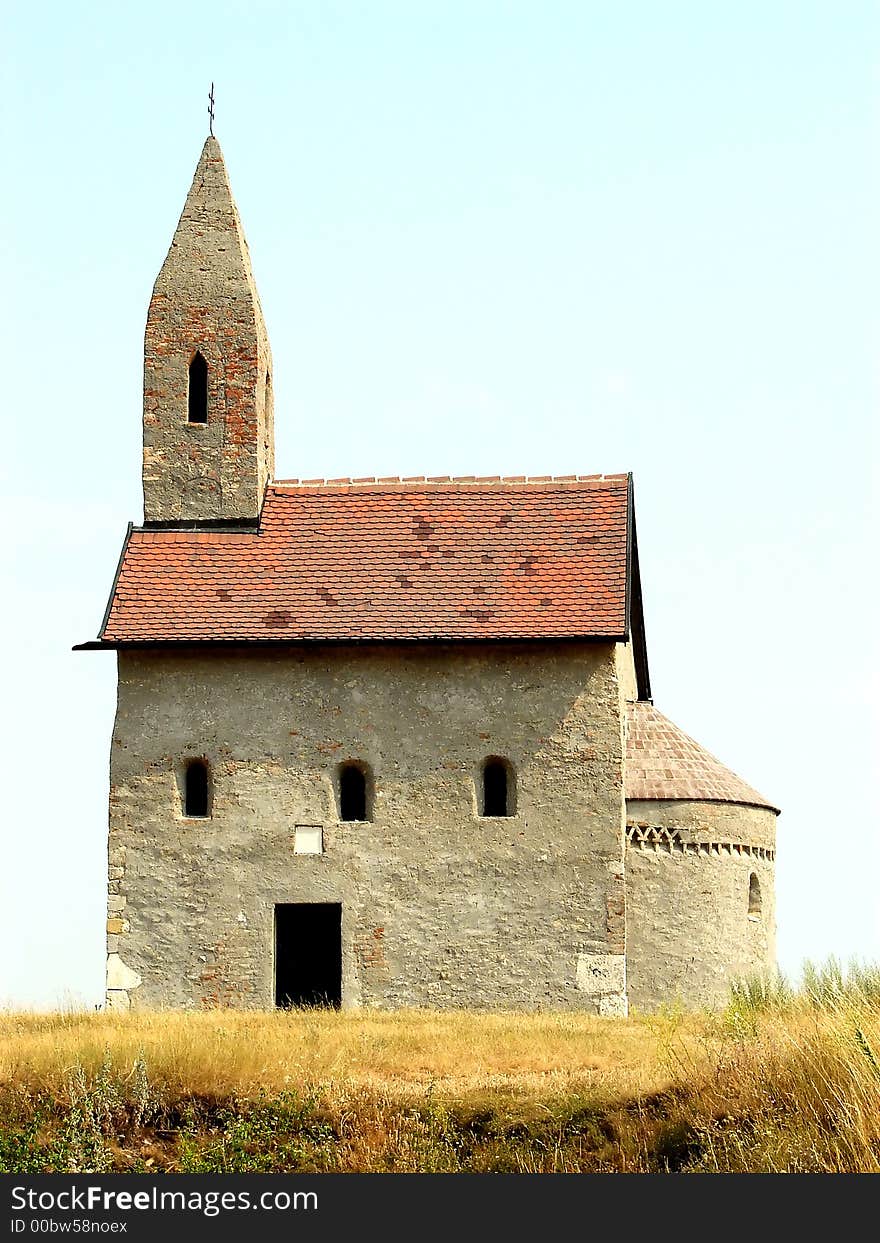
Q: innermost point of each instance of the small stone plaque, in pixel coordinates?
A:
(308, 839)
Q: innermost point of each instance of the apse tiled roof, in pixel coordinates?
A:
(662, 762)
(388, 560)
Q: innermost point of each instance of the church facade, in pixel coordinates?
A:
(390, 742)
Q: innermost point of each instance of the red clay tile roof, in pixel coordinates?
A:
(389, 560)
(662, 762)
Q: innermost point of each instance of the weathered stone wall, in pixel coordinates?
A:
(205, 299)
(689, 930)
(626, 674)
(440, 907)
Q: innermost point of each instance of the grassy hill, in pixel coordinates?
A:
(778, 1082)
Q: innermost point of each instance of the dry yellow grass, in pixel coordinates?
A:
(795, 1089)
(786, 1084)
(457, 1053)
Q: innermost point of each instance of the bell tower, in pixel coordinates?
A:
(208, 425)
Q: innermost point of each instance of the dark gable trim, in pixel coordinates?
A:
(179, 645)
(635, 617)
(128, 532)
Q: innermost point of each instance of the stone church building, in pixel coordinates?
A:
(390, 742)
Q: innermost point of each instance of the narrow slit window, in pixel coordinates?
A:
(195, 798)
(754, 895)
(352, 793)
(197, 397)
(497, 791)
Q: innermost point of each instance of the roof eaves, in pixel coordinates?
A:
(107, 645)
(760, 801)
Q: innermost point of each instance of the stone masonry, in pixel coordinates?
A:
(441, 906)
(690, 930)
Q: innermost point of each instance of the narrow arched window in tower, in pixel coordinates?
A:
(498, 788)
(754, 895)
(197, 392)
(354, 793)
(196, 789)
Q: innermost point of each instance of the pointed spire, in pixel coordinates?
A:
(205, 301)
(209, 247)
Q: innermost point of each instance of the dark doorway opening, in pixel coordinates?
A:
(308, 954)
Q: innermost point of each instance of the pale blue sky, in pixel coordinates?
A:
(489, 238)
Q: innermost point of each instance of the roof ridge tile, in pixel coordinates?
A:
(379, 480)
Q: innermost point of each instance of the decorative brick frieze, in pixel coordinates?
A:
(657, 837)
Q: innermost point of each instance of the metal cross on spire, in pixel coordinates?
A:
(211, 111)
